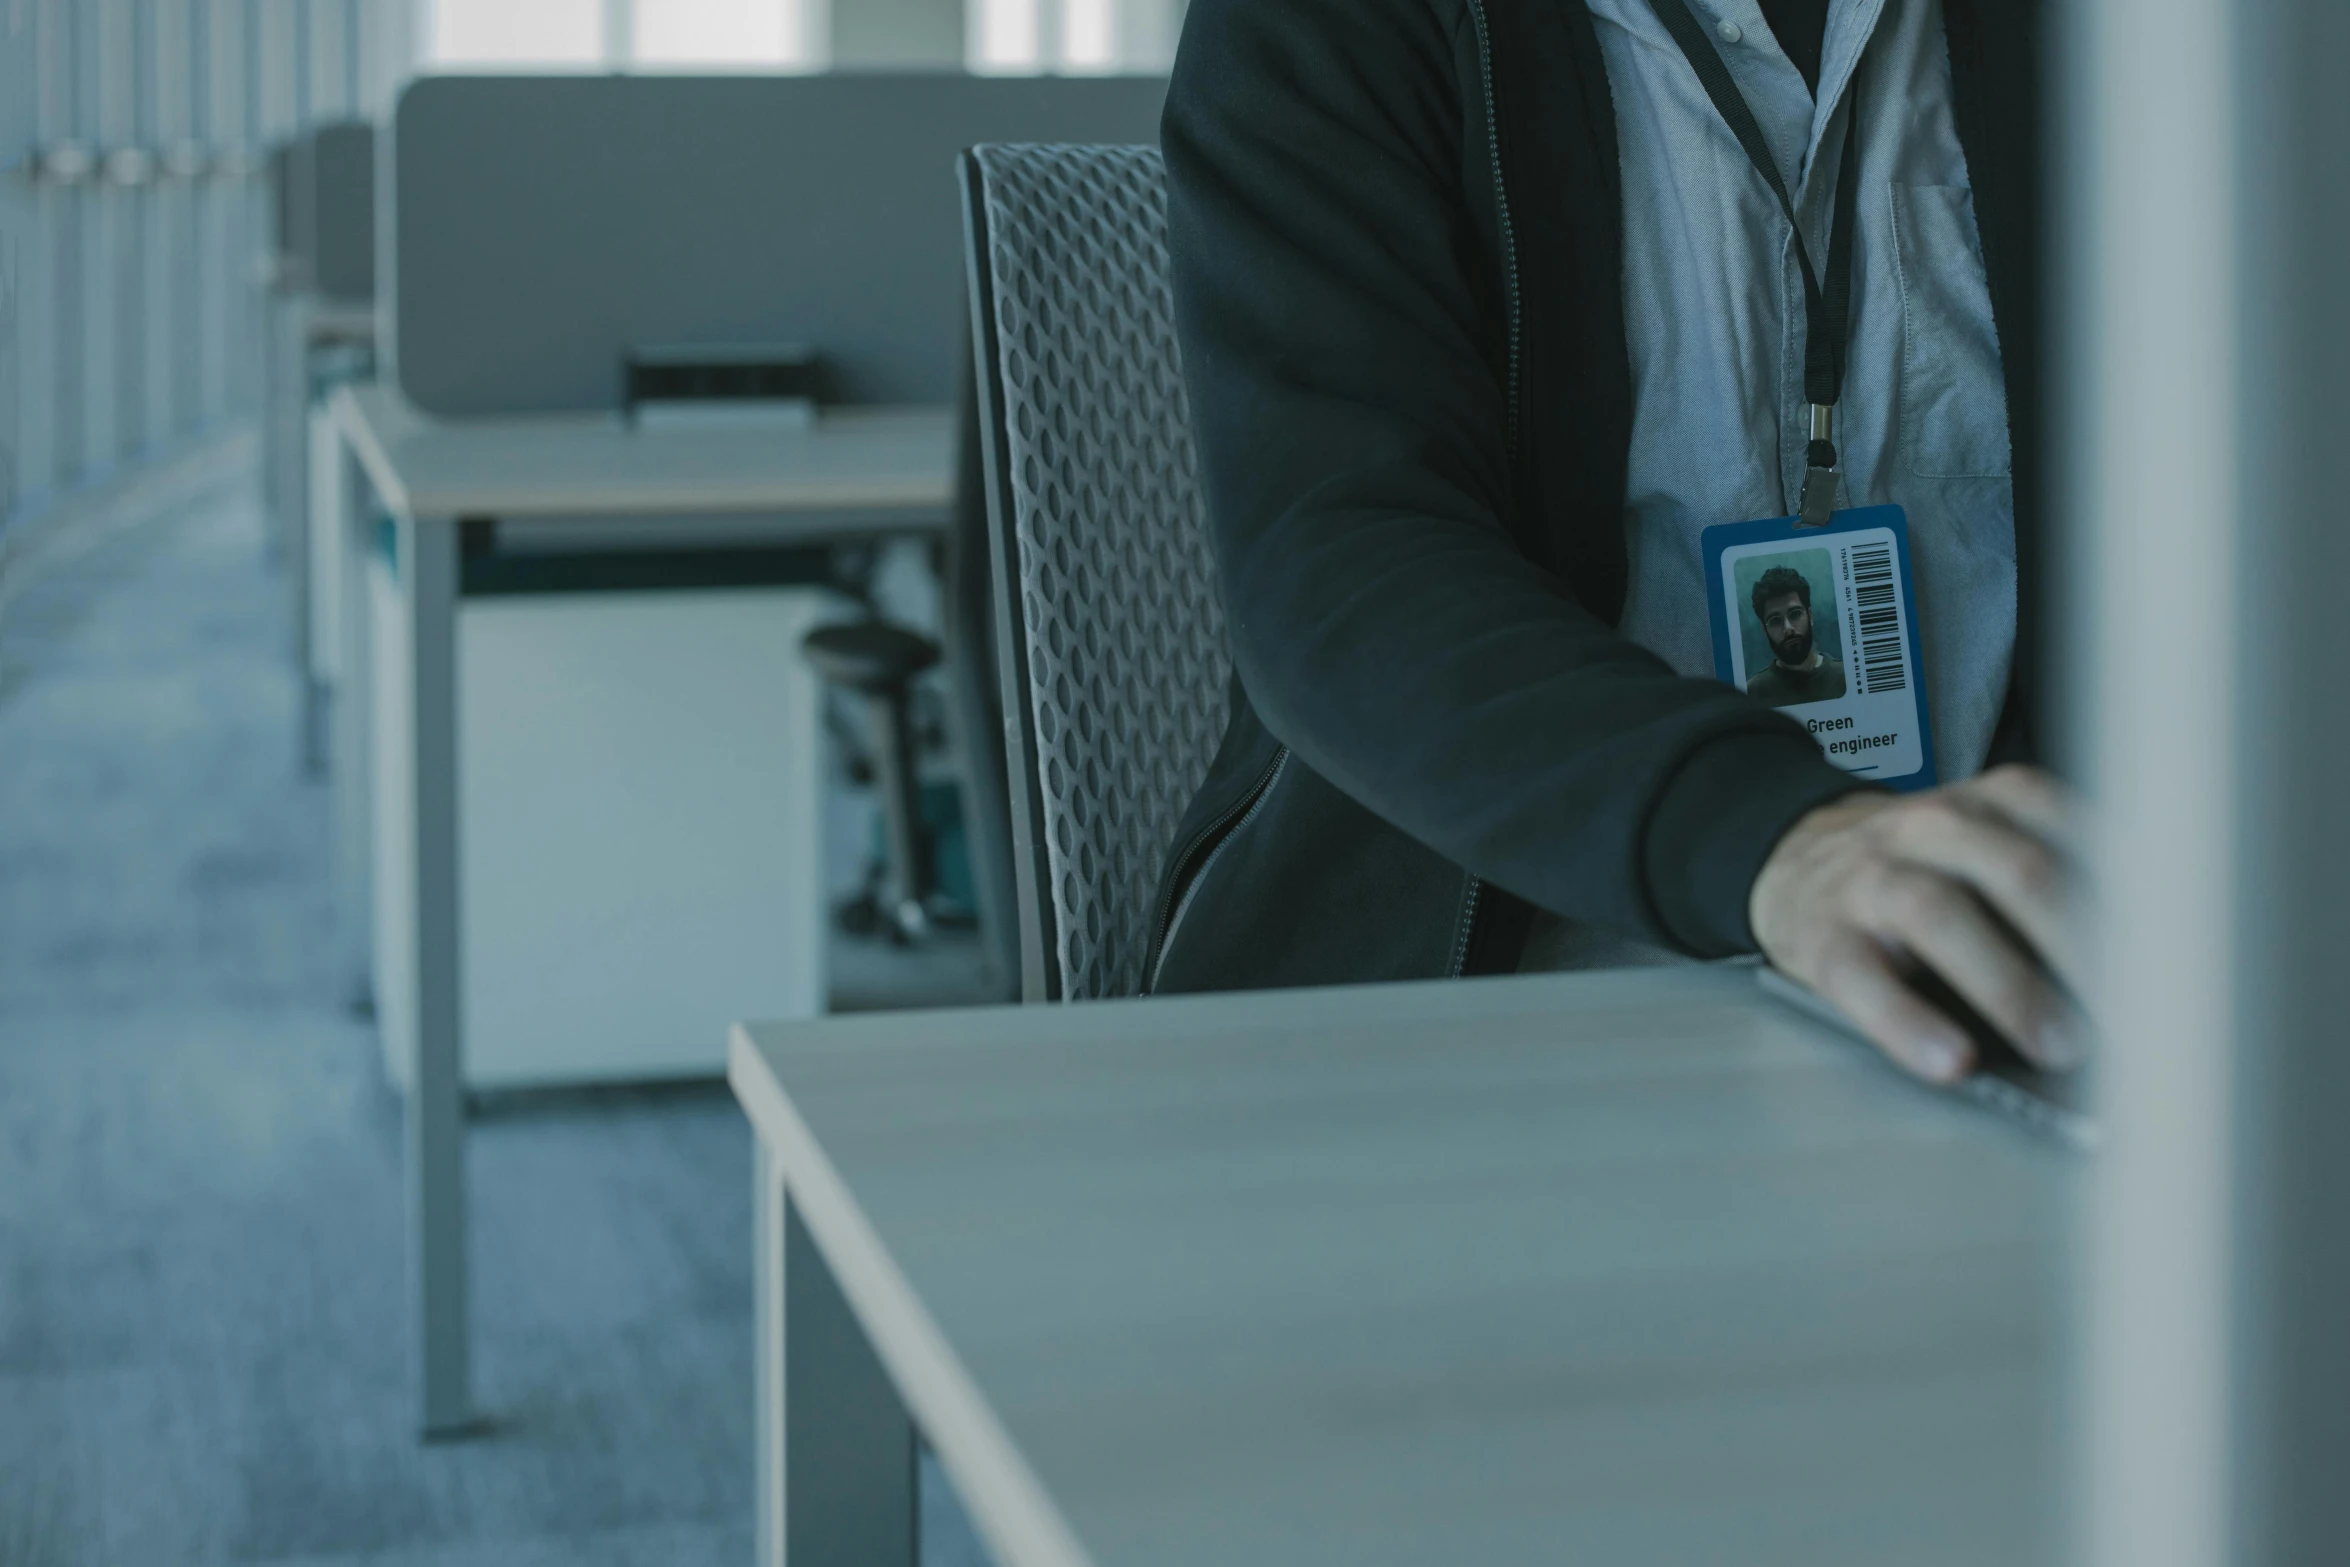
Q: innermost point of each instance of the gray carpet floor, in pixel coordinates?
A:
(202, 1324)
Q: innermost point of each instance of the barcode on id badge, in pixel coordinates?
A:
(1882, 668)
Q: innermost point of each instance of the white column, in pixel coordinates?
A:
(221, 207)
(1147, 33)
(897, 35)
(326, 67)
(391, 42)
(277, 82)
(35, 240)
(619, 33)
(174, 301)
(19, 230)
(1135, 37)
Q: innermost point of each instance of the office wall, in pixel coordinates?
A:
(548, 224)
(133, 135)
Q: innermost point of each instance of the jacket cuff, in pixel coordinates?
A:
(1716, 822)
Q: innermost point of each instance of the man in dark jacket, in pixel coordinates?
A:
(1487, 310)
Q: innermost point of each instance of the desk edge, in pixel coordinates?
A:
(373, 446)
(366, 444)
(1006, 1500)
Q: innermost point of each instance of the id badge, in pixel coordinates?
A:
(1821, 623)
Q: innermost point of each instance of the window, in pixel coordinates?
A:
(720, 34)
(1021, 37)
(608, 35)
(1089, 35)
(1014, 37)
(511, 35)
(1003, 35)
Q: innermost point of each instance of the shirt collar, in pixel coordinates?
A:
(1851, 24)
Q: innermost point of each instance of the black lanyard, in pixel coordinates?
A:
(1827, 307)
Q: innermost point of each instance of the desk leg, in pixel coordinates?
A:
(290, 410)
(352, 771)
(767, 1206)
(836, 1452)
(271, 422)
(322, 525)
(436, 1106)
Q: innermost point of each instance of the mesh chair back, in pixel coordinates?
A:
(1112, 639)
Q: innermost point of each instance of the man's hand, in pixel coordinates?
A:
(1969, 881)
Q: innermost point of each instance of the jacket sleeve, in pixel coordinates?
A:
(1344, 336)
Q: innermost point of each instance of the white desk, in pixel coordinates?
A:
(853, 475)
(1624, 1267)
(301, 324)
(876, 472)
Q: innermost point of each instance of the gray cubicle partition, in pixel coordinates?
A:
(322, 252)
(322, 211)
(334, 210)
(280, 178)
(545, 225)
(321, 331)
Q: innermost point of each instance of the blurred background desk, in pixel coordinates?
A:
(866, 471)
(322, 331)
(595, 814)
(1620, 1267)
(586, 805)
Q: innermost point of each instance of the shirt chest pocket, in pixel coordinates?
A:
(1953, 399)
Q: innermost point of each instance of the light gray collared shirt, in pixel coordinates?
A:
(1714, 319)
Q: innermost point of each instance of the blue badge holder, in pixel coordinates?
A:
(1878, 727)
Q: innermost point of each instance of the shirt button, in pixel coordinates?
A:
(1730, 32)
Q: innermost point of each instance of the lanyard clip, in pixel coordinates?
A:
(1819, 478)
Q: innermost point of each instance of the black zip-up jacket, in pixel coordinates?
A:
(1396, 235)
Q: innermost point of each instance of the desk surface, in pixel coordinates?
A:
(885, 463)
(1625, 1267)
(337, 318)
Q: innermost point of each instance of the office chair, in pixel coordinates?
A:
(878, 661)
(1110, 636)
(976, 691)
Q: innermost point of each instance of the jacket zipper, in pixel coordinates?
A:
(1229, 823)
(1501, 203)
(1509, 284)
(1470, 898)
